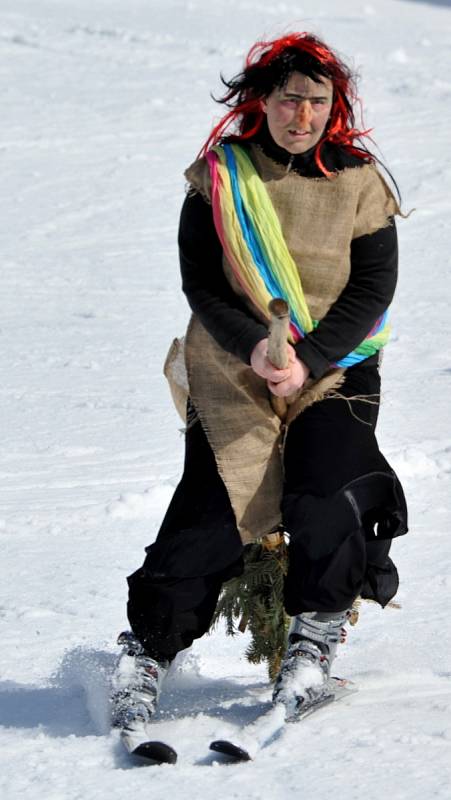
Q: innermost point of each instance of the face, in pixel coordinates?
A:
(298, 112)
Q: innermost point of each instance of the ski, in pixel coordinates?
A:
(149, 752)
(252, 738)
(231, 750)
(267, 728)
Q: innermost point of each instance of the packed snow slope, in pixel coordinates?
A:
(104, 104)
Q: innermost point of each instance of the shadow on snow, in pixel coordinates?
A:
(76, 701)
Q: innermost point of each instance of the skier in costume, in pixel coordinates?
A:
(285, 201)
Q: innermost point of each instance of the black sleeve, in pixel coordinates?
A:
(369, 291)
(208, 291)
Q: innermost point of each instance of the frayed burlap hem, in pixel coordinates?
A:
(314, 392)
(371, 399)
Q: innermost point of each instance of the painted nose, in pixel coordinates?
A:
(305, 113)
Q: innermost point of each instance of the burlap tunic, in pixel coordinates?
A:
(319, 218)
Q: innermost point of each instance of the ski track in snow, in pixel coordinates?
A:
(104, 105)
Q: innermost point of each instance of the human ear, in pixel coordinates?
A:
(264, 105)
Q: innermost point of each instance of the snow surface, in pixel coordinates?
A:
(104, 104)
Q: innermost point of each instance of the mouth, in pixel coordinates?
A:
(294, 132)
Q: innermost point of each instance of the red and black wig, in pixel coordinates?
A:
(268, 67)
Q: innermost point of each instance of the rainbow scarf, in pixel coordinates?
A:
(253, 242)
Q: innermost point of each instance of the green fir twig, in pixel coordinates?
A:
(254, 601)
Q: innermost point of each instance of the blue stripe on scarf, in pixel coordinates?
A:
(356, 358)
(251, 237)
(247, 227)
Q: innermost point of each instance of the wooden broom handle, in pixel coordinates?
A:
(278, 333)
(277, 346)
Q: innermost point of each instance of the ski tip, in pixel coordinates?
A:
(155, 753)
(229, 749)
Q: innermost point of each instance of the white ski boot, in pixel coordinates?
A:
(304, 681)
(136, 685)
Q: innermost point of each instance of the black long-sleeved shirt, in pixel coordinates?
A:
(365, 297)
